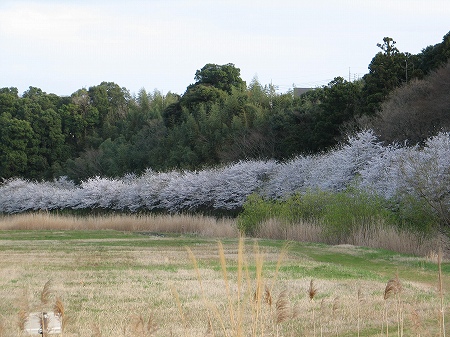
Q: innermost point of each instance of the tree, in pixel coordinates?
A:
(146, 148)
(111, 101)
(204, 94)
(8, 100)
(388, 46)
(416, 111)
(435, 56)
(172, 114)
(315, 121)
(15, 137)
(223, 77)
(258, 95)
(340, 101)
(46, 149)
(48, 141)
(387, 71)
(80, 119)
(150, 105)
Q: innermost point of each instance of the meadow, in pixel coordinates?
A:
(111, 277)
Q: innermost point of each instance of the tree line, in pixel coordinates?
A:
(104, 130)
(406, 186)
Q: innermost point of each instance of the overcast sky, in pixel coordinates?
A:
(62, 46)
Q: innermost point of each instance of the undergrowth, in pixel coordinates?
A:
(347, 217)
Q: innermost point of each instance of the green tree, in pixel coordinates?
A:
(146, 148)
(80, 119)
(339, 105)
(387, 71)
(113, 157)
(179, 144)
(224, 77)
(257, 94)
(46, 150)
(148, 105)
(8, 100)
(111, 101)
(172, 114)
(15, 137)
(435, 56)
(44, 100)
(202, 94)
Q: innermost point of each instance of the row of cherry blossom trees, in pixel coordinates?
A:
(393, 172)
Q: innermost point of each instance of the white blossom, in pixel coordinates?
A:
(389, 171)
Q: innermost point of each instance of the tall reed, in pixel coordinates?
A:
(394, 288)
(441, 296)
(312, 292)
(248, 311)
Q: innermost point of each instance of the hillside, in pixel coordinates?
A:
(105, 130)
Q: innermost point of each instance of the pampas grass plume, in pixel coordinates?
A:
(282, 308)
(393, 287)
(312, 291)
(46, 292)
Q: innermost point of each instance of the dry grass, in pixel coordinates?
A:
(180, 223)
(374, 235)
(228, 289)
(300, 231)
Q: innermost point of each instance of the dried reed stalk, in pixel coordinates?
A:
(24, 310)
(258, 324)
(199, 279)
(60, 312)
(180, 309)
(223, 264)
(46, 293)
(416, 322)
(144, 328)
(312, 291)
(267, 297)
(335, 307)
(394, 287)
(360, 299)
(441, 295)
(2, 328)
(283, 312)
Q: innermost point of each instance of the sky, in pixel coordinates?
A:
(61, 46)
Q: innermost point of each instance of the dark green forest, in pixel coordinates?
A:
(104, 130)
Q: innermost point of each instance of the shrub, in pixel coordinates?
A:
(255, 211)
(339, 213)
(297, 207)
(347, 210)
(416, 215)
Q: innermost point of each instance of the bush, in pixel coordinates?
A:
(338, 213)
(417, 215)
(346, 211)
(297, 207)
(255, 211)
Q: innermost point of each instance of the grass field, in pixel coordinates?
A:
(141, 283)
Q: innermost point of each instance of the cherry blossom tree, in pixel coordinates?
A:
(394, 172)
